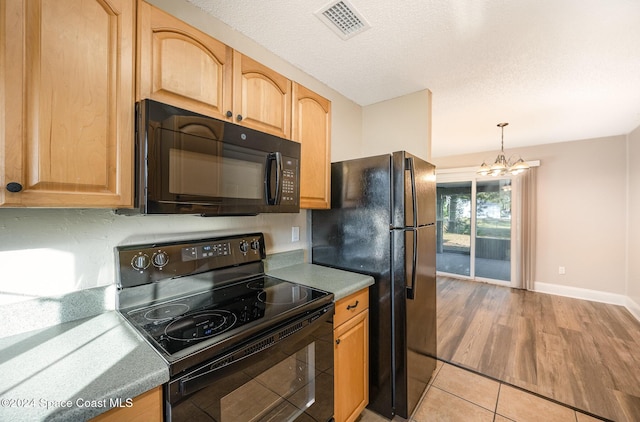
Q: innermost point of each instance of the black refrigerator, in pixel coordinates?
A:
(382, 223)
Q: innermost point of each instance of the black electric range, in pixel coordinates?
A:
(195, 300)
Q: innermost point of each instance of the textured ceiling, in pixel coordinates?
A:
(556, 70)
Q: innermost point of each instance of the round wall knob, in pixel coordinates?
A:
(14, 187)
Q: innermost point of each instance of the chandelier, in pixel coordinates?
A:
(501, 166)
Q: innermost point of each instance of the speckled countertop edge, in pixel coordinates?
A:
(340, 283)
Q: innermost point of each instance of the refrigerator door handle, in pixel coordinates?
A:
(410, 166)
(411, 290)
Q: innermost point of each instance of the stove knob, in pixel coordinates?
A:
(140, 262)
(160, 259)
(244, 246)
(255, 244)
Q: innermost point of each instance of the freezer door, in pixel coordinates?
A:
(417, 315)
(354, 234)
(414, 191)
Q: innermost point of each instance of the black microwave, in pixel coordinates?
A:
(187, 163)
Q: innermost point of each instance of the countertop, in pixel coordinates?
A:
(76, 370)
(340, 283)
(73, 371)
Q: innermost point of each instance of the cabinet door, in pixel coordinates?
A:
(261, 97)
(312, 128)
(182, 66)
(351, 367)
(67, 102)
(147, 407)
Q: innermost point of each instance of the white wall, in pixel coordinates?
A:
(633, 276)
(402, 123)
(581, 212)
(46, 252)
(50, 252)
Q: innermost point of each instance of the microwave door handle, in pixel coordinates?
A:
(273, 158)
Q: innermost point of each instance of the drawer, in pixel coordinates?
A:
(350, 306)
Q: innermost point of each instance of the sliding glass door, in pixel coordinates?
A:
(454, 228)
(474, 229)
(493, 229)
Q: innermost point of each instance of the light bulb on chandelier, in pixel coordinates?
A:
(501, 166)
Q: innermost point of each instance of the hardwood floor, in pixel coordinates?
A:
(580, 353)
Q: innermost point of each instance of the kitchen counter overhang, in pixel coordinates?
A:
(75, 370)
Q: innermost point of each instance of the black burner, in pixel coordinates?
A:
(201, 325)
(283, 295)
(169, 311)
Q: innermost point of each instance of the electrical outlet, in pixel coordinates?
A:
(561, 270)
(295, 234)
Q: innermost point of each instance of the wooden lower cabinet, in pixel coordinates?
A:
(351, 356)
(147, 407)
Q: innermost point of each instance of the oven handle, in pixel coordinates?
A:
(197, 379)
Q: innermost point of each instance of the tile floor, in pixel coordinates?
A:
(455, 394)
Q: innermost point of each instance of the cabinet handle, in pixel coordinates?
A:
(355, 305)
(338, 341)
(239, 118)
(14, 187)
(229, 113)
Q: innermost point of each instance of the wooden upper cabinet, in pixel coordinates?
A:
(182, 66)
(261, 98)
(66, 97)
(312, 128)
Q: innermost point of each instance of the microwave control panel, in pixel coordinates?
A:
(289, 181)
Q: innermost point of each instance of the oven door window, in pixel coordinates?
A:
(205, 169)
(290, 382)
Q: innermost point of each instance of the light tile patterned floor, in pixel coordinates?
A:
(455, 394)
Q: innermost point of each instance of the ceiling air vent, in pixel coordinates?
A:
(343, 19)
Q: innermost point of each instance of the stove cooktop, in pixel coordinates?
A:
(182, 323)
(193, 300)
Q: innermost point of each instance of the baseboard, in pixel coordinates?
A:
(587, 294)
(633, 307)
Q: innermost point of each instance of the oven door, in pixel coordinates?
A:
(286, 375)
(195, 165)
